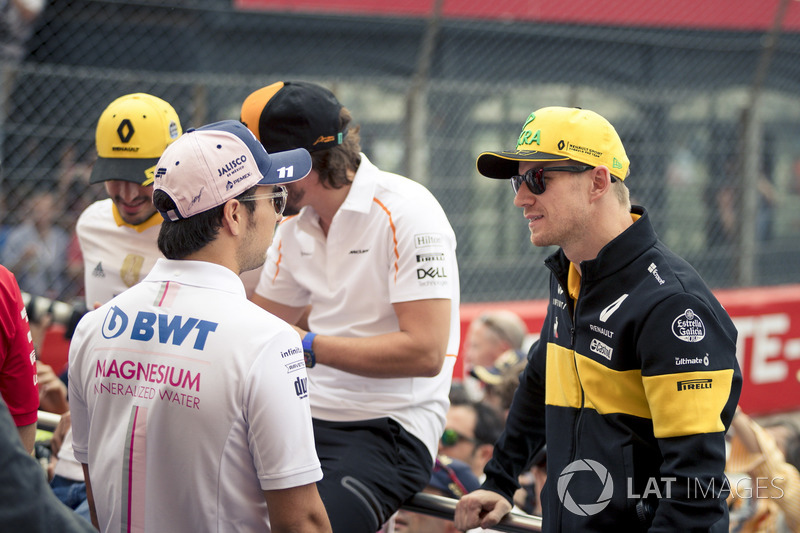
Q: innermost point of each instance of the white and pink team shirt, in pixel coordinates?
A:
(389, 242)
(187, 402)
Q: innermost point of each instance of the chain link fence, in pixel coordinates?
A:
(710, 117)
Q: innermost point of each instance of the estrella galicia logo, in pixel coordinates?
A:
(585, 509)
(114, 323)
(688, 327)
(301, 387)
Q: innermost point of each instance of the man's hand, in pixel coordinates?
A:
(482, 508)
(52, 391)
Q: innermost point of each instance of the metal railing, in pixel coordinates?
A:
(427, 504)
(441, 507)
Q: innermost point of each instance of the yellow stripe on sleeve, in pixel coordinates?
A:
(688, 403)
(562, 388)
(613, 391)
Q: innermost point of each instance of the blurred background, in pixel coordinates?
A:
(705, 95)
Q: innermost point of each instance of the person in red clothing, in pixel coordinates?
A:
(17, 360)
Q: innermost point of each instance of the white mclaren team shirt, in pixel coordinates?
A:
(389, 242)
(187, 402)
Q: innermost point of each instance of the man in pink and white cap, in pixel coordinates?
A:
(196, 395)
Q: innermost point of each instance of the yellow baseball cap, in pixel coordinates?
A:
(560, 134)
(131, 135)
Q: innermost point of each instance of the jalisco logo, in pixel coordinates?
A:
(603, 499)
(232, 165)
(688, 327)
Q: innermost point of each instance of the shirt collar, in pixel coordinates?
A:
(197, 274)
(154, 220)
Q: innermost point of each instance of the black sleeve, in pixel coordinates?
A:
(27, 502)
(692, 382)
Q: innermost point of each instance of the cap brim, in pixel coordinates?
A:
(503, 165)
(122, 169)
(287, 166)
(486, 375)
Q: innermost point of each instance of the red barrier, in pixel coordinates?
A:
(768, 347)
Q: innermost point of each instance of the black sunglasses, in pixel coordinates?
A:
(534, 178)
(451, 437)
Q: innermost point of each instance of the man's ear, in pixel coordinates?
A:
(232, 216)
(601, 181)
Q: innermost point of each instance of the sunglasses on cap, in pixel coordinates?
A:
(534, 177)
(278, 199)
(451, 437)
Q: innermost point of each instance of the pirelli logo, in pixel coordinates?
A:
(694, 384)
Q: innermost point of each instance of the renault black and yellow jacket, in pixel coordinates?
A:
(632, 384)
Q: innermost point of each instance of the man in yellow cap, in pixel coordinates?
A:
(634, 380)
(118, 235)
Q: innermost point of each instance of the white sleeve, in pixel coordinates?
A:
(280, 434)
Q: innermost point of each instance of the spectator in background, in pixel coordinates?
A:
(489, 336)
(17, 18)
(765, 485)
(500, 381)
(492, 334)
(36, 249)
(451, 478)
(17, 361)
(470, 433)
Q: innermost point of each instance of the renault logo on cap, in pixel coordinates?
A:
(125, 130)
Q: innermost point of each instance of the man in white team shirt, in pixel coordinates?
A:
(373, 256)
(189, 403)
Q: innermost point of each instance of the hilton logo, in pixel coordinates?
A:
(694, 384)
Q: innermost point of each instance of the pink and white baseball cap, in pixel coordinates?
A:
(208, 166)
